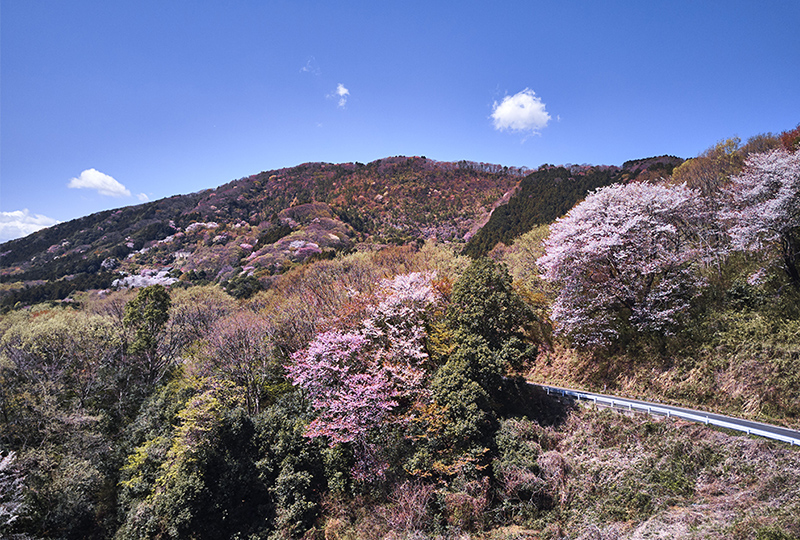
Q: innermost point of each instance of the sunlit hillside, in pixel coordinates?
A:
(342, 352)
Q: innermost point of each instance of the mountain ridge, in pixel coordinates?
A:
(264, 223)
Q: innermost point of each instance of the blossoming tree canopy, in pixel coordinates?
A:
(358, 380)
(625, 259)
(764, 207)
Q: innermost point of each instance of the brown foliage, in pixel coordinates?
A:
(240, 350)
(711, 170)
(791, 139)
(409, 507)
(466, 509)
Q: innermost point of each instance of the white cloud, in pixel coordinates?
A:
(343, 94)
(521, 112)
(311, 67)
(21, 223)
(143, 197)
(104, 184)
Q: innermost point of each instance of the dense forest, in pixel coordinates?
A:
(209, 385)
(550, 192)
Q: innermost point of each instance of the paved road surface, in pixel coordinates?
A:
(746, 426)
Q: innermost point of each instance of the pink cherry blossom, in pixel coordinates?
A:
(626, 256)
(357, 380)
(763, 207)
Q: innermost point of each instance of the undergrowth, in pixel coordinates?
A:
(748, 367)
(601, 475)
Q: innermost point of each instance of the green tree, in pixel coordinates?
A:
(219, 472)
(242, 287)
(487, 336)
(465, 387)
(57, 412)
(146, 316)
(57, 361)
(485, 303)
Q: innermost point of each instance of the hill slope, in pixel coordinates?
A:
(265, 223)
(268, 221)
(550, 192)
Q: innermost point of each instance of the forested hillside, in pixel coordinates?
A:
(550, 192)
(258, 226)
(232, 375)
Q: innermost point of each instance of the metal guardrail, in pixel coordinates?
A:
(669, 412)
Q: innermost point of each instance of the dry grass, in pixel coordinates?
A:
(748, 379)
(633, 477)
(610, 476)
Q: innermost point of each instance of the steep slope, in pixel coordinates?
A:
(263, 224)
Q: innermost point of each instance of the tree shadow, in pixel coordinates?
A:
(519, 398)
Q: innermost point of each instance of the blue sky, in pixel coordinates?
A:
(104, 104)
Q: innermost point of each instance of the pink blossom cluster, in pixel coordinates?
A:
(145, 278)
(358, 380)
(199, 225)
(626, 254)
(629, 254)
(763, 205)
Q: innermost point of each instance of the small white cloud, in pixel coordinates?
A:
(21, 223)
(311, 67)
(104, 184)
(521, 112)
(343, 94)
(143, 197)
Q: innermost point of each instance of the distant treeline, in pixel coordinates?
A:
(55, 290)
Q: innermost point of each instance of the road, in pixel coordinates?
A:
(746, 426)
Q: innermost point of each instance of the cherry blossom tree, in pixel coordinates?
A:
(350, 391)
(396, 328)
(763, 207)
(363, 380)
(626, 259)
